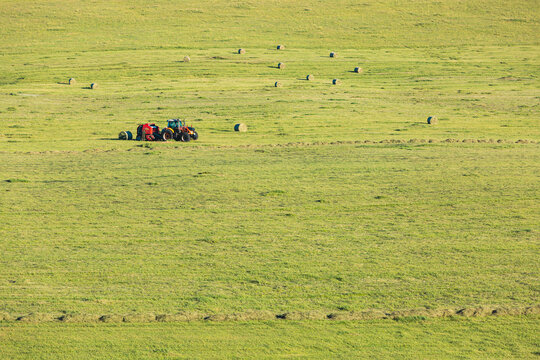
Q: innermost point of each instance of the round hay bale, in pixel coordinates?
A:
(72, 81)
(358, 70)
(333, 55)
(240, 127)
(241, 51)
(432, 120)
(336, 82)
(187, 59)
(278, 84)
(93, 86)
(310, 77)
(125, 135)
(280, 47)
(281, 66)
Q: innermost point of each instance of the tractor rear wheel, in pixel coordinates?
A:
(185, 137)
(195, 135)
(167, 134)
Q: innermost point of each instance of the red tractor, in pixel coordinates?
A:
(178, 130)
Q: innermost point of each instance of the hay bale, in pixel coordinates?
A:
(187, 59)
(336, 82)
(93, 86)
(125, 135)
(358, 70)
(240, 127)
(241, 51)
(278, 84)
(281, 66)
(333, 55)
(280, 47)
(310, 77)
(72, 81)
(432, 120)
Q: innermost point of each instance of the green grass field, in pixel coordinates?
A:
(338, 201)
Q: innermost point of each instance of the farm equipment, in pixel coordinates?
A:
(148, 132)
(176, 129)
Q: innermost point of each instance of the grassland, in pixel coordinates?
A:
(338, 199)
(449, 338)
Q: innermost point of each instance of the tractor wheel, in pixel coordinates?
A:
(185, 137)
(195, 135)
(167, 134)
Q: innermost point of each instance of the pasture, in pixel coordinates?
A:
(340, 225)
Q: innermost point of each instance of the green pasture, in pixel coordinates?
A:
(338, 198)
(162, 230)
(502, 338)
(418, 59)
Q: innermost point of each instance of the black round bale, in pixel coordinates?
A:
(241, 51)
(432, 120)
(310, 77)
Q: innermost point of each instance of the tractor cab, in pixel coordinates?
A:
(175, 123)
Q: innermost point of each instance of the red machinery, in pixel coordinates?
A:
(148, 132)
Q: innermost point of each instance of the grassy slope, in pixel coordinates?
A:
(501, 338)
(290, 229)
(473, 65)
(313, 228)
